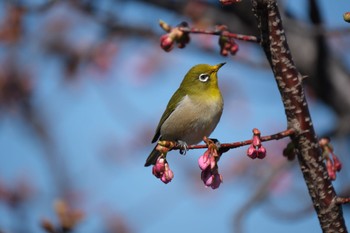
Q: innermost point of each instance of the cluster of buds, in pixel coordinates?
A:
(256, 150)
(174, 36)
(227, 44)
(208, 164)
(333, 164)
(162, 171)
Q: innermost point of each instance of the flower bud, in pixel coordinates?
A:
(234, 49)
(251, 152)
(159, 168)
(168, 174)
(256, 140)
(207, 177)
(166, 42)
(217, 180)
(211, 178)
(224, 52)
(261, 153)
(337, 164)
(330, 170)
(203, 160)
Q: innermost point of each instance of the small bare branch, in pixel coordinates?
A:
(227, 146)
(342, 200)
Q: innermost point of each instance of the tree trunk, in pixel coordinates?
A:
(289, 81)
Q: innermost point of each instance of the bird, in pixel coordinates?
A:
(193, 111)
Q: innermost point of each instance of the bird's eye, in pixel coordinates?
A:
(203, 77)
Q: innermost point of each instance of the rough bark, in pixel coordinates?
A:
(289, 81)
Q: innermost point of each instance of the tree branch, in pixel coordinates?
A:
(224, 147)
(342, 200)
(289, 82)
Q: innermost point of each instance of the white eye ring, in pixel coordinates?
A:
(203, 77)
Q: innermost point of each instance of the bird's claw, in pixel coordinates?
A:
(184, 147)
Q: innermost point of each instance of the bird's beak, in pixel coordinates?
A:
(218, 66)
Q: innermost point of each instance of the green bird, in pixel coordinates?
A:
(193, 111)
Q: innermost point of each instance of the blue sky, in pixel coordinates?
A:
(101, 125)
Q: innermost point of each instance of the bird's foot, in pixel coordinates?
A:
(184, 147)
(165, 146)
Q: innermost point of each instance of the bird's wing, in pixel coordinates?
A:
(173, 103)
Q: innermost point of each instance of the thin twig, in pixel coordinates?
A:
(228, 146)
(342, 200)
(221, 33)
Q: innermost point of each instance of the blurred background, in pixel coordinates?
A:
(83, 85)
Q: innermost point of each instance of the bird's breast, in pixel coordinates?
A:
(192, 119)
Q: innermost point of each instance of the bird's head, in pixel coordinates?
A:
(202, 77)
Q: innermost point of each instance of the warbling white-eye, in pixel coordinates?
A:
(193, 111)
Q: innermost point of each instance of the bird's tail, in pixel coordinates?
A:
(152, 158)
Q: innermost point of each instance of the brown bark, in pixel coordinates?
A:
(289, 81)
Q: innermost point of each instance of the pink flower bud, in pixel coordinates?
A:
(256, 141)
(217, 180)
(159, 168)
(166, 42)
(234, 49)
(211, 178)
(203, 160)
(261, 153)
(207, 177)
(251, 152)
(212, 162)
(168, 175)
(224, 52)
(330, 170)
(337, 163)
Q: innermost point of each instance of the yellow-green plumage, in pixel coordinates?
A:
(193, 111)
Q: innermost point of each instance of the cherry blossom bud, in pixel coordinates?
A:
(168, 174)
(207, 177)
(256, 141)
(212, 161)
(159, 168)
(333, 164)
(211, 178)
(203, 160)
(208, 159)
(227, 44)
(337, 164)
(261, 153)
(251, 152)
(234, 49)
(224, 52)
(166, 42)
(217, 180)
(256, 150)
(330, 169)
